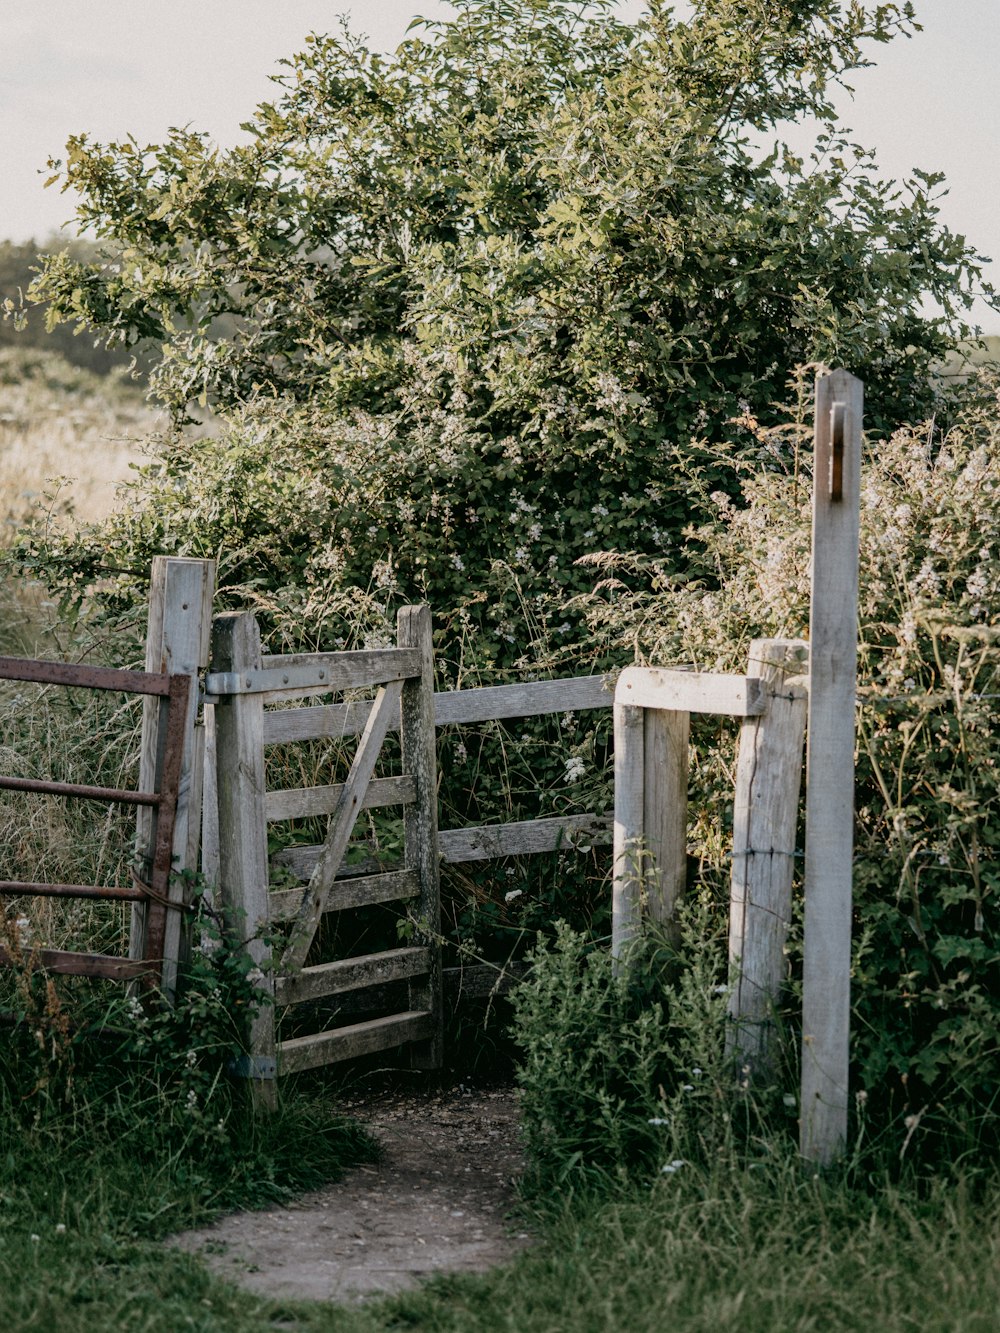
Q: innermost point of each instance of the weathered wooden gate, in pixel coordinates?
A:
(173, 692)
(242, 683)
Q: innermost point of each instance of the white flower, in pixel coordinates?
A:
(672, 1167)
(512, 895)
(575, 768)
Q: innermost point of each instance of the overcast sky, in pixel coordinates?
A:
(114, 67)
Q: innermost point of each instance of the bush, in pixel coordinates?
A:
(624, 1076)
(926, 972)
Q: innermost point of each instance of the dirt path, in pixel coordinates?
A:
(438, 1202)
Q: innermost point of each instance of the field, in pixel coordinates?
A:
(67, 438)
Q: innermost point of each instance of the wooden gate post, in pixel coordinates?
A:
(242, 849)
(177, 641)
(833, 635)
(419, 753)
(765, 819)
(666, 736)
(629, 852)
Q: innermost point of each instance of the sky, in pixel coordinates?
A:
(116, 67)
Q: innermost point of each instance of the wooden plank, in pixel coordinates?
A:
(528, 699)
(318, 722)
(628, 858)
(830, 767)
(765, 822)
(689, 692)
(296, 676)
(347, 974)
(359, 891)
(177, 642)
(418, 741)
(489, 841)
(84, 964)
(666, 737)
(347, 1043)
(304, 802)
(486, 704)
(481, 981)
(301, 859)
(341, 826)
(242, 854)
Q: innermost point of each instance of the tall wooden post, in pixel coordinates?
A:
(420, 829)
(665, 799)
(830, 767)
(765, 819)
(629, 853)
(242, 825)
(177, 641)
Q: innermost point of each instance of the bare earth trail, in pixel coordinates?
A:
(438, 1202)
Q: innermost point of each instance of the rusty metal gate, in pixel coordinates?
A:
(173, 692)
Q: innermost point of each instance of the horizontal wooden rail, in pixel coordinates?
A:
(306, 802)
(348, 974)
(530, 699)
(346, 1043)
(690, 692)
(485, 704)
(484, 843)
(292, 677)
(84, 676)
(360, 891)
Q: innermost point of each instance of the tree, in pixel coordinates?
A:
(484, 294)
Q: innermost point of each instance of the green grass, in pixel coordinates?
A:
(714, 1249)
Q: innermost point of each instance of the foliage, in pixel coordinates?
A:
(24, 325)
(624, 1076)
(482, 293)
(927, 842)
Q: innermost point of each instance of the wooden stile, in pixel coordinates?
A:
(765, 820)
(830, 767)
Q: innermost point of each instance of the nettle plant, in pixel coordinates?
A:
(926, 974)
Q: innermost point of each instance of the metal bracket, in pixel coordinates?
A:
(259, 1067)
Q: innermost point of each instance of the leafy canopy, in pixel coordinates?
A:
(506, 275)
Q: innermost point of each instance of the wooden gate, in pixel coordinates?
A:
(241, 684)
(173, 691)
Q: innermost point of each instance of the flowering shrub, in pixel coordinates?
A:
(926, 975)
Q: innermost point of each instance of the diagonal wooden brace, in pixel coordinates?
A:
(384, 714)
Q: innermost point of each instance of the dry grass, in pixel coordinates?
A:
(67, 438)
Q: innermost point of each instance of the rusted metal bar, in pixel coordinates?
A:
(87, 677)
(169, 780)
(21, 888)
(108, 794)
(82, 964)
